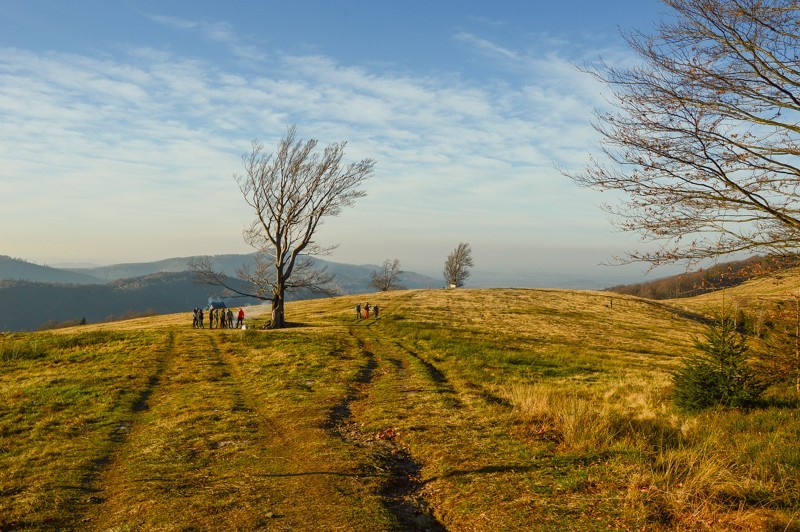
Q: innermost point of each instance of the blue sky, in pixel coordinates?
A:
(121, 124)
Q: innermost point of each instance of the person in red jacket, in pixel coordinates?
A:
(240, 319)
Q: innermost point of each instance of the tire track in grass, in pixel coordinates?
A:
(446, 387)
(109, 481)
(121, 433)
(312, 484)
(402, 488)
(340, 420)
(184, 460)
(443, 385)
(438, 416)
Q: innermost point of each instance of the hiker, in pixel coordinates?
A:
(223, 319)
(200, 317)
(230, 319)
(366, 311)
(194, 318)
(375, 311)
(240, 319)
(358, 311)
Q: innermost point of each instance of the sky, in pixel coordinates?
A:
(122, 124)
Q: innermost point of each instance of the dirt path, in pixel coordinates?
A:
(402, 487)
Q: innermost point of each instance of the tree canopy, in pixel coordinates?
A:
(387, 277)
(703, 143)
(290, 192)
(457, 265)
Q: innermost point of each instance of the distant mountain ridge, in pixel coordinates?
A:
(21, 270)
(31, 305)
(352, 278)
(115, 272)
(34, 295)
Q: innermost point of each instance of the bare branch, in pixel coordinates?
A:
(290, 192)
(387, 277)
(457, 265)
(705, 142)
(204, 272)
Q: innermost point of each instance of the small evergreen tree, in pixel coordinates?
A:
(719, 374)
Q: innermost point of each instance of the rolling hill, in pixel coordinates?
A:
(474, 410)
(703, 281)
(20, 270)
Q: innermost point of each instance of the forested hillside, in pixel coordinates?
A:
(29, 306)
(36, 296)
(707, 280)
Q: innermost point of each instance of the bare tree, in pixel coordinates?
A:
(703, 143)
(290, 191)
(388, 277)
(456, 267)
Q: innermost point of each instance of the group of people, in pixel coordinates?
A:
(219, 318)
(367, 309)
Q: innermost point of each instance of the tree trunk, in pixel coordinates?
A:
(797, 345)
(277, 321)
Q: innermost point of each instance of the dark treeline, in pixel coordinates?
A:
(709, 279)
(28, 306)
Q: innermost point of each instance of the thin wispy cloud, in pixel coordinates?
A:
(220, 32)
(488, 47)
(151, 138)
(174, 22)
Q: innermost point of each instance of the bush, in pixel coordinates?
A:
(779, 349)
(720, 374)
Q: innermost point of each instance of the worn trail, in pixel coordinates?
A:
(188, 435)
(401, 488)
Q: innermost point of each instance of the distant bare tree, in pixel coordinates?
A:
(290, 191)
(456, 267)
(705, 144)
(388, 277)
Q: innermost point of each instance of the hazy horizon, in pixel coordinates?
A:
(604, 277)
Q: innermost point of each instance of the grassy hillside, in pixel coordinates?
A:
(724, 275)
(753, 295)
(457, 410)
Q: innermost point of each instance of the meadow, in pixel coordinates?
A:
(497, 409)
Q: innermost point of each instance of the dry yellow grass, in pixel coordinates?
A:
(752, 295)
(465, 410)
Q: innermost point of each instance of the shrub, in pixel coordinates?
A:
(779, 349)
(719, 374)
